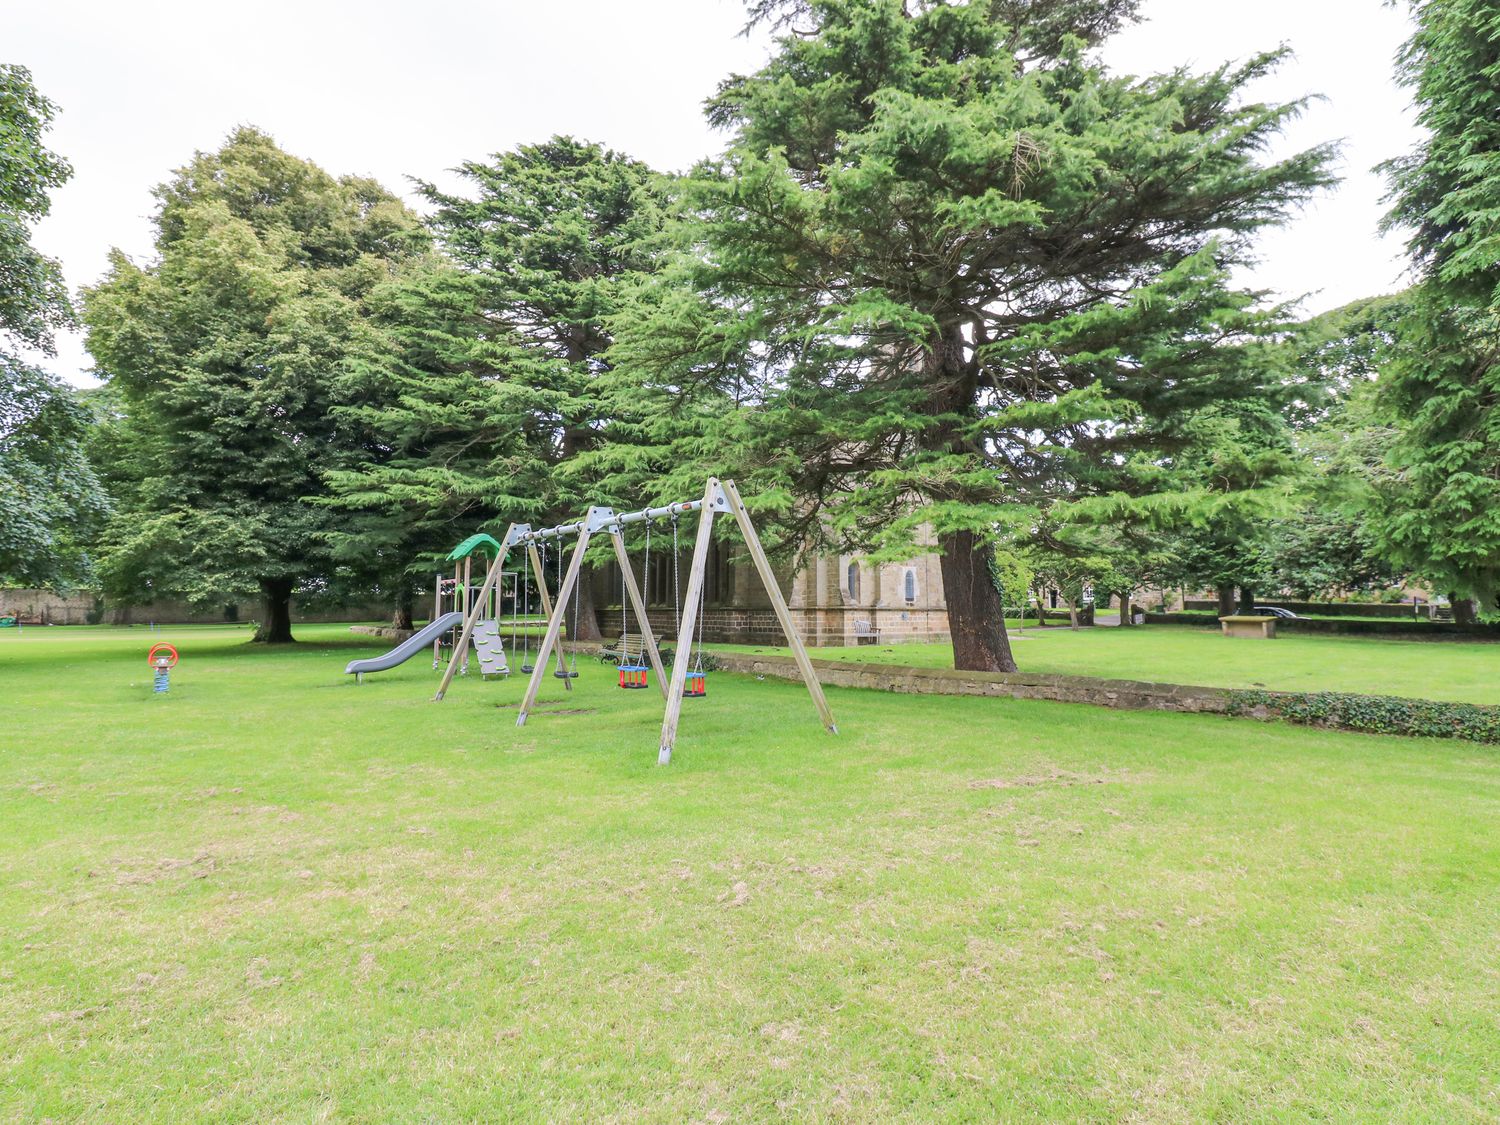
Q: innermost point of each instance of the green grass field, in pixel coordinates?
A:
(277, 896)
(1462, 671)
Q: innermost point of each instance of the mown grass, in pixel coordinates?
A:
(1460, 671)
(275, 896)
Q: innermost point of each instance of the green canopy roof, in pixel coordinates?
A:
(481, 542)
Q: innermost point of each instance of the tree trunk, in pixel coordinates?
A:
(276, 612)
(1226, 601)
(1247, 599)
(588, 618)
(1041, 607)
(405, 600)
(1463, 611)
(1073, 614)
(976, 616)
(1125, 614)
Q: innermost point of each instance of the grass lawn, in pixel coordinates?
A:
(1462, 671)
(277, 896)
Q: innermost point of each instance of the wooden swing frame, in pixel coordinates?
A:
(719, 497)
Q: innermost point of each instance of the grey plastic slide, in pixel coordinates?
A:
(407, 648)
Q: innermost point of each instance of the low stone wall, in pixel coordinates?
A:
(1362, 713)
(1429, 630)
(1131, 695)
(1400, 611)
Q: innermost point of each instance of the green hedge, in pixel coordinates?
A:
(1374, 714)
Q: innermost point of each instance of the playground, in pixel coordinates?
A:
(274, 893)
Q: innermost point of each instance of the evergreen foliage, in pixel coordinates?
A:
(498, 401)
(1441, 392)
(950, 264)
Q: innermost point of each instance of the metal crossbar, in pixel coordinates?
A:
(606, 519)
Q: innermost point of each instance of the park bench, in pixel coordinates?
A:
(1245, 625)
(624, 650)
(865, 633)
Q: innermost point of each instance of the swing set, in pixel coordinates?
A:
(687, 679)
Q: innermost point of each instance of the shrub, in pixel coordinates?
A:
(1374, 714)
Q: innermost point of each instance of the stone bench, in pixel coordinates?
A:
(1248, 626)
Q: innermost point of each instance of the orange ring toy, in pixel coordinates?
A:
(171, 654)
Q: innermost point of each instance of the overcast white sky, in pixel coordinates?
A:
(395, 89)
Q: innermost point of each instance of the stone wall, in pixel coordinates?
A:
(1431, 630)
(1395, 610)
(86, 607)
(52, 609)
(1125, 694)
(1131, 695)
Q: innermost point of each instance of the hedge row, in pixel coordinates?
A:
(1373, 714)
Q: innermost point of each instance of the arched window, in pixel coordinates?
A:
(854, 582)
(911, 584)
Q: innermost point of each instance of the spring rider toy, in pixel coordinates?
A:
(163, 658)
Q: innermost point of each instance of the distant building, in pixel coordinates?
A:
(835, 599)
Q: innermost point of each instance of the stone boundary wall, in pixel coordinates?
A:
(53, 609)
(1401, 611)
(77, 607)
(1124, 695)
(1130, 695)
(1428, 630)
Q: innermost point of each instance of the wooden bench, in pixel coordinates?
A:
(865, 633)
(624, 650)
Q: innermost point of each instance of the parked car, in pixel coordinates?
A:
(1275, 611)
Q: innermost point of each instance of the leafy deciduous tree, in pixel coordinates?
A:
(229, 354)
(50, 498)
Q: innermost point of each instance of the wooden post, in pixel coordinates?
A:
(539, 572)
(784, 615)
(648, 639)
(468, 577)
(689, 620)
(472, 617)
(437, 611)
(554, 624)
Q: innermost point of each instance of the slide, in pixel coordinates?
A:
(408, 648)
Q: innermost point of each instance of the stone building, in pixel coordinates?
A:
(835, 599)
